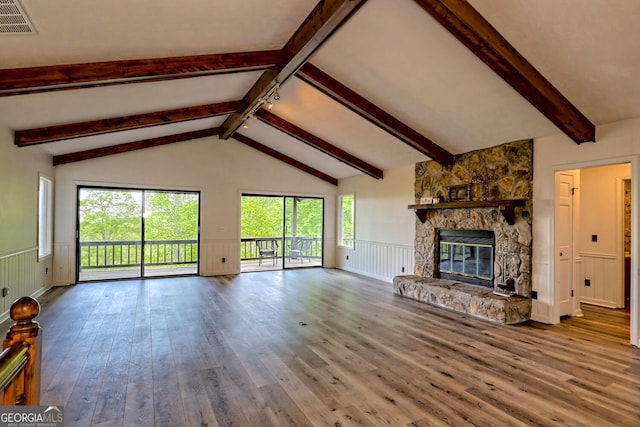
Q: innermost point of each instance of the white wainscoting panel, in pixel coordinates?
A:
(212, 252)
(23, 275)
(541, 308)
(578, 283)
(604, 271)
(64, 269)
(378, 260)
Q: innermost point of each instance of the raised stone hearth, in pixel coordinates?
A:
(478, 301)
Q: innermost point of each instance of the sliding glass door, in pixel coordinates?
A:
(303, 218)
(281, 232)
(170, 233)
(125, 233)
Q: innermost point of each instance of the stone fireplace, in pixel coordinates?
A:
(469, 248)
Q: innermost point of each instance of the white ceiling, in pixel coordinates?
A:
(391, 52)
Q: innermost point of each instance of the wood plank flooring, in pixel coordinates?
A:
(322, 348)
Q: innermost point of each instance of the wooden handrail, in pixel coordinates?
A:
(20, 358)
(12, 360)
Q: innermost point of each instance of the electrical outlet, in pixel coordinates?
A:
(224, 260)
(587, 282)
(534, 294)
(403, 269)
(594, 237)
(5, 292)
(46, 270)
(347, 257)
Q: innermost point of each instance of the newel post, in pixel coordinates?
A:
(26, 330)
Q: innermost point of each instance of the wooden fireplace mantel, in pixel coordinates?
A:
(506, 207)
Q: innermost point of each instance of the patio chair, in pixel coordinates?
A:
(267, 248)
(300, 249)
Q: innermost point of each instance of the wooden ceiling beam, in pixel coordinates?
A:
(18, 81)
(284, 158)
(318, 143)
(479, 36)
(47, 134)
(374, 114)
(132, 146)
(324, 19)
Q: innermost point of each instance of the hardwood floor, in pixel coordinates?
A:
(322, 348)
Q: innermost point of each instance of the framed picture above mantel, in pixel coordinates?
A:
(458, 193)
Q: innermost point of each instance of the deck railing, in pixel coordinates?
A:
(249, 250)
(110, 254)
(20, 357)
(128, 253)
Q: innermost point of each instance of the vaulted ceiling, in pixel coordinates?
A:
(364, 86)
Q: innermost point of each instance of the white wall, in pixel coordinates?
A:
(220, 170)
(20, 269)
(384, 226)
(616, 143)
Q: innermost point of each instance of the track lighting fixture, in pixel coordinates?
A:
(265, 102)
(247, 119)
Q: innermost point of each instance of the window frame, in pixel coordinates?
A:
(341, 220)
(45, 217)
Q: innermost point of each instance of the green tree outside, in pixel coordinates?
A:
(347, 235)
(171, 216)
(261, 216)
(108, 215)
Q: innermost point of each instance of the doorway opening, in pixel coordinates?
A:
(593, 240)
(132, 233)
(279, 232)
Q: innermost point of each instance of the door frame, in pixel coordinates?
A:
(284, 196)
(284, 228)
(78, 260)
(634, 160)
(620, 233)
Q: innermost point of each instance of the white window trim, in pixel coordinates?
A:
(341, 220)
(45, 222)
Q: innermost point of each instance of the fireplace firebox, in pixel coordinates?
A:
(466, 256)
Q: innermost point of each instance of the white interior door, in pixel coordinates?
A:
(564, 241)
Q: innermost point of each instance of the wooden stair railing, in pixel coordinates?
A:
(21, 354)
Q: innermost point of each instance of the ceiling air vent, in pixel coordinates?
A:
(13, 19)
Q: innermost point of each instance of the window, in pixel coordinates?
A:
(45, 217)
(347, 219)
